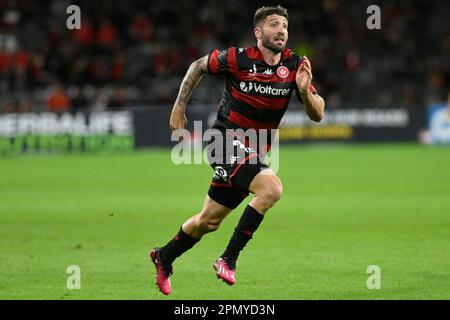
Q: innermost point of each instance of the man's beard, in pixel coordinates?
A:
(267, 43)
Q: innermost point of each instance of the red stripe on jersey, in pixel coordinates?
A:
(246, 123)
(254, 53)
(260, 101)
(214, 62)
(287, 53)
(232, 62)
(244, 75)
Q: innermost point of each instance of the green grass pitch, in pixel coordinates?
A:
(344, 207)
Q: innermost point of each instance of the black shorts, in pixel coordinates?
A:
(235, 165)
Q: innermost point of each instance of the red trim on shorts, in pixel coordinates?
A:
(227, 185)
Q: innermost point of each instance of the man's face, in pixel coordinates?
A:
(273, 32)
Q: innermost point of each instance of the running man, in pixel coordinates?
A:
(259, 83)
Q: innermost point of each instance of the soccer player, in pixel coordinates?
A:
(259, 83)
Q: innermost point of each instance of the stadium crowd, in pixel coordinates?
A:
(135, 53)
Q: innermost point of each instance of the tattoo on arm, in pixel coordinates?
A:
(191, 79)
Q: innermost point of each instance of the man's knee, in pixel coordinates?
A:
(272, 192)
(268, 190)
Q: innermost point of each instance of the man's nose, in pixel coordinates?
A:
(281, 31)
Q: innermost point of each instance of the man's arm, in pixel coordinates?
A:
(193, 76)
(314, 104)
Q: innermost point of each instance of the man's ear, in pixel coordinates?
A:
(257, 32)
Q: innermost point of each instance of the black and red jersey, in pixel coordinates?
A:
(256, 94)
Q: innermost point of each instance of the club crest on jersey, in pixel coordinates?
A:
(282, 72)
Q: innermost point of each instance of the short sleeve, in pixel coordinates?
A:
(222, 61)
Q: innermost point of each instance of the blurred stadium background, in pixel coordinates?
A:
(107, 89)
(133, 55)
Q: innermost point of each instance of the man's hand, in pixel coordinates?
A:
(314, 104)
(178, 119)
(304, 76)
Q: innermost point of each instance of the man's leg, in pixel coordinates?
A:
(190, 233)
(267, 190)
(208, 220)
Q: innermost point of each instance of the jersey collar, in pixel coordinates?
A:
(286, 53)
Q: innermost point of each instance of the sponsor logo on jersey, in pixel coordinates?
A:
(262, 89)
(282, 72)
(246, 87)
(268, 72)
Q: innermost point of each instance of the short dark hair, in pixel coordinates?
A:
(264, 12)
